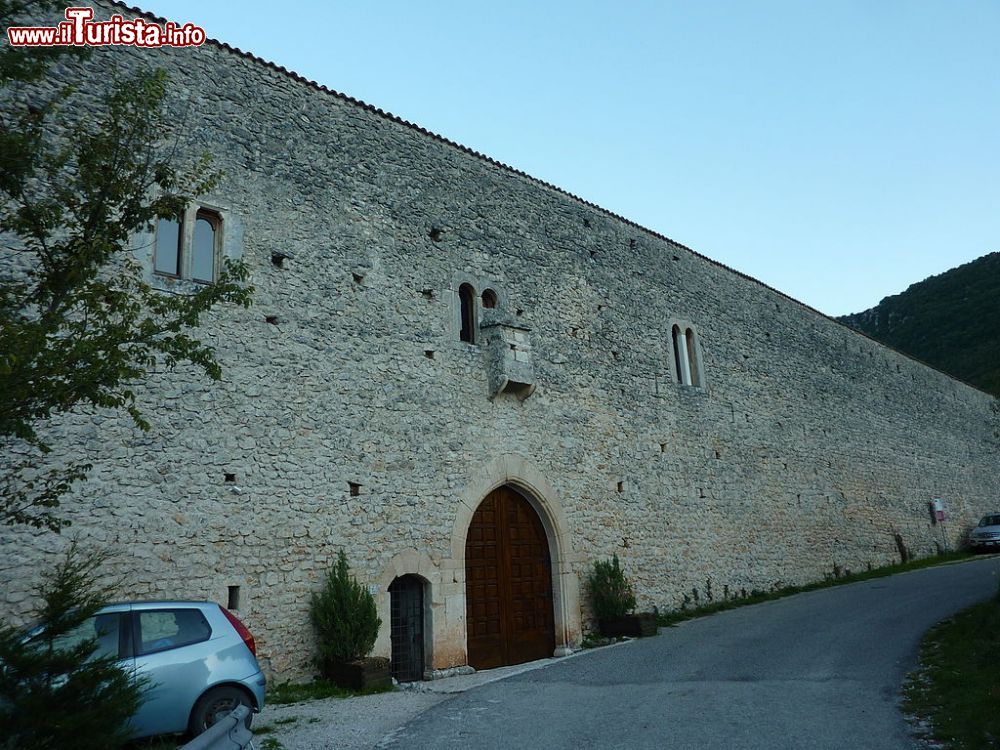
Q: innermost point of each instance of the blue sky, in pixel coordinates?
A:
(838, 151)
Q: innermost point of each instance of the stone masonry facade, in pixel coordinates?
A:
(352, 415)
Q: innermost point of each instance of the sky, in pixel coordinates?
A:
(838, 151)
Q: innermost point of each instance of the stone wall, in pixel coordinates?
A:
(351, 415)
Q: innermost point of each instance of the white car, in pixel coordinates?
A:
(986, 535)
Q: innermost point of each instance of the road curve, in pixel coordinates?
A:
(817, 670)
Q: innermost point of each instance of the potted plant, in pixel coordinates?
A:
(346, 625)
(613, 602)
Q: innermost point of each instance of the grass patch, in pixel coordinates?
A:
(956, 690)
(836, 577)
(288, 692)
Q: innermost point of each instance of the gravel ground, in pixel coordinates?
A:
(363, 723)
(346, 724)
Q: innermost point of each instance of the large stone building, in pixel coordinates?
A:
(477, 384)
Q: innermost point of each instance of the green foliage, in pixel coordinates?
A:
(777, 591)
(79, 326)
(343, 617)
(611, 594)
(950, 321)
(55, 691)
(957, 686)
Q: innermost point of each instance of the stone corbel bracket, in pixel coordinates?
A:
(507, 344)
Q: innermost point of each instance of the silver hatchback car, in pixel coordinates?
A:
(198, 659)
(986, 534)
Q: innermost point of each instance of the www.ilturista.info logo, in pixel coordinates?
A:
(80, 30)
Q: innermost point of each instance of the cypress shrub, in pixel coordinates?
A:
(56, 690)
(611, 594)
(343, 617)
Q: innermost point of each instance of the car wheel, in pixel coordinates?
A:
(216, 704)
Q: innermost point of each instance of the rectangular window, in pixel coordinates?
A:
(189, 248)
(167, 253)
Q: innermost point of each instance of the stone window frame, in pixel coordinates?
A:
(486, 295)
(228, 246)
(686, 361)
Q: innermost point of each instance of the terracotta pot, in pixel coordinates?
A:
(363, 674)
(632, 626)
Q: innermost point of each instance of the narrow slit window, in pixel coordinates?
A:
(692, 353)
(167, 251)
(687, 355)
(203, 247)
(467, 305)
(680, 357)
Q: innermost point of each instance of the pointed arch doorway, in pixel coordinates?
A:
(508, 583)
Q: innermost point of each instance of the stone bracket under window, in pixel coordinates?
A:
(508, 350)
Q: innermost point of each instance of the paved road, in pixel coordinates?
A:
(818, 670)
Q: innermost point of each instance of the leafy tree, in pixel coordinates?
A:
(78, 324)
(56, 690)
(343, 616)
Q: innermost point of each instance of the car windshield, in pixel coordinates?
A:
(990, 521)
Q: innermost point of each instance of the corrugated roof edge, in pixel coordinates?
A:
(454, 144)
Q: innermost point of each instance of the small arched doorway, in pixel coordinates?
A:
(508, 583)
(406, 628)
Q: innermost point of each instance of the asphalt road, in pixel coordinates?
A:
(817, 670)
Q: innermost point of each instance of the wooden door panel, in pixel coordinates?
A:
(508, 583)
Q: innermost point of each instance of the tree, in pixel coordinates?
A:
(79, 326)
(344, 617)
(611, 593)
(56, 689)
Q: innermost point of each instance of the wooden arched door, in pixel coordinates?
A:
(508, 583)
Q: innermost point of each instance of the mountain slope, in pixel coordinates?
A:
(951, 321)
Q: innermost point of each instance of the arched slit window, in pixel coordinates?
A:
(680, 357)
(489, 299)
(467, 305)
(203, 246)
(692, 352)
(687, 367)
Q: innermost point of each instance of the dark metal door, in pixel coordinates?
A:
(406, 628)
(508, 583)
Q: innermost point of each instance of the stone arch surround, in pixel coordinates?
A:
(445, 577)
(416, 563)
(519, 473)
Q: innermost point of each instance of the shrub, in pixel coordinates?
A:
(55, 692)
(610, 592)
(343, 616)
